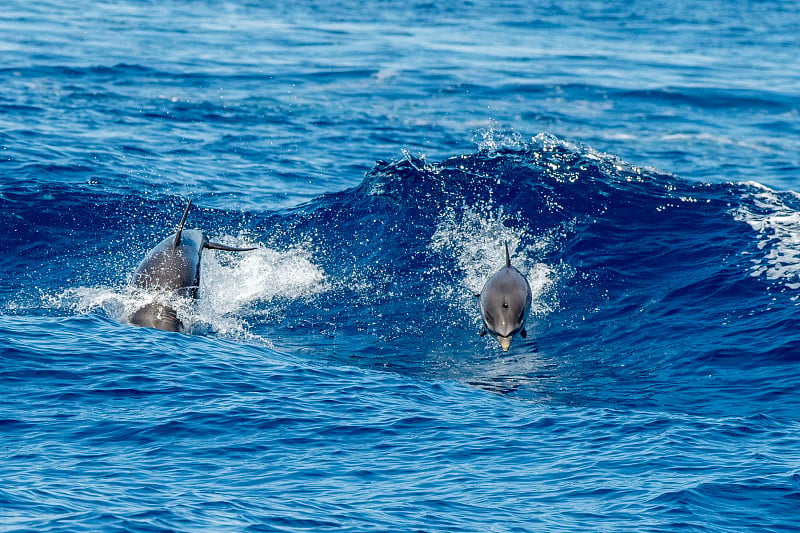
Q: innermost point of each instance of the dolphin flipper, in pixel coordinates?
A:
(217, 246)
(211, 245)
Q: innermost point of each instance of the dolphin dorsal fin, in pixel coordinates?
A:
(180, 226)
(508, 260)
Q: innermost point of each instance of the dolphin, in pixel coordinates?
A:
(172, 266)
(504, 302)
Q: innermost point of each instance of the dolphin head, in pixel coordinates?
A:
(505, 342)
(157, 315)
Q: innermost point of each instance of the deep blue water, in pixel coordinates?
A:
(640, 158)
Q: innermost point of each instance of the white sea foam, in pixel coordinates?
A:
(778, 227)
(231, 283)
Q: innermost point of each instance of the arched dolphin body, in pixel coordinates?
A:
(173, 266)
(505, 301)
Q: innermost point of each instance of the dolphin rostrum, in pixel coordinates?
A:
(173, 266)
(505, 301)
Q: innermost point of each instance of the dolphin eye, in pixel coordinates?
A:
(505, 305)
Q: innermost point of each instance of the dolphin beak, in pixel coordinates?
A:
(505, 343)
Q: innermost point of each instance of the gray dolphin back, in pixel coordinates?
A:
(504, 303)
(172, 267)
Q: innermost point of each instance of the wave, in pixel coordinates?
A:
(626, 264)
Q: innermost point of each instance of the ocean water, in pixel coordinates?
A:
(640, 158)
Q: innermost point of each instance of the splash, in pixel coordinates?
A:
(231, 286)
(113, 303)
(493, 140)
(778, 226)
(474, 239)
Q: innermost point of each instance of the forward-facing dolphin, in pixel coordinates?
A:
(173, 267)
(505, 300)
